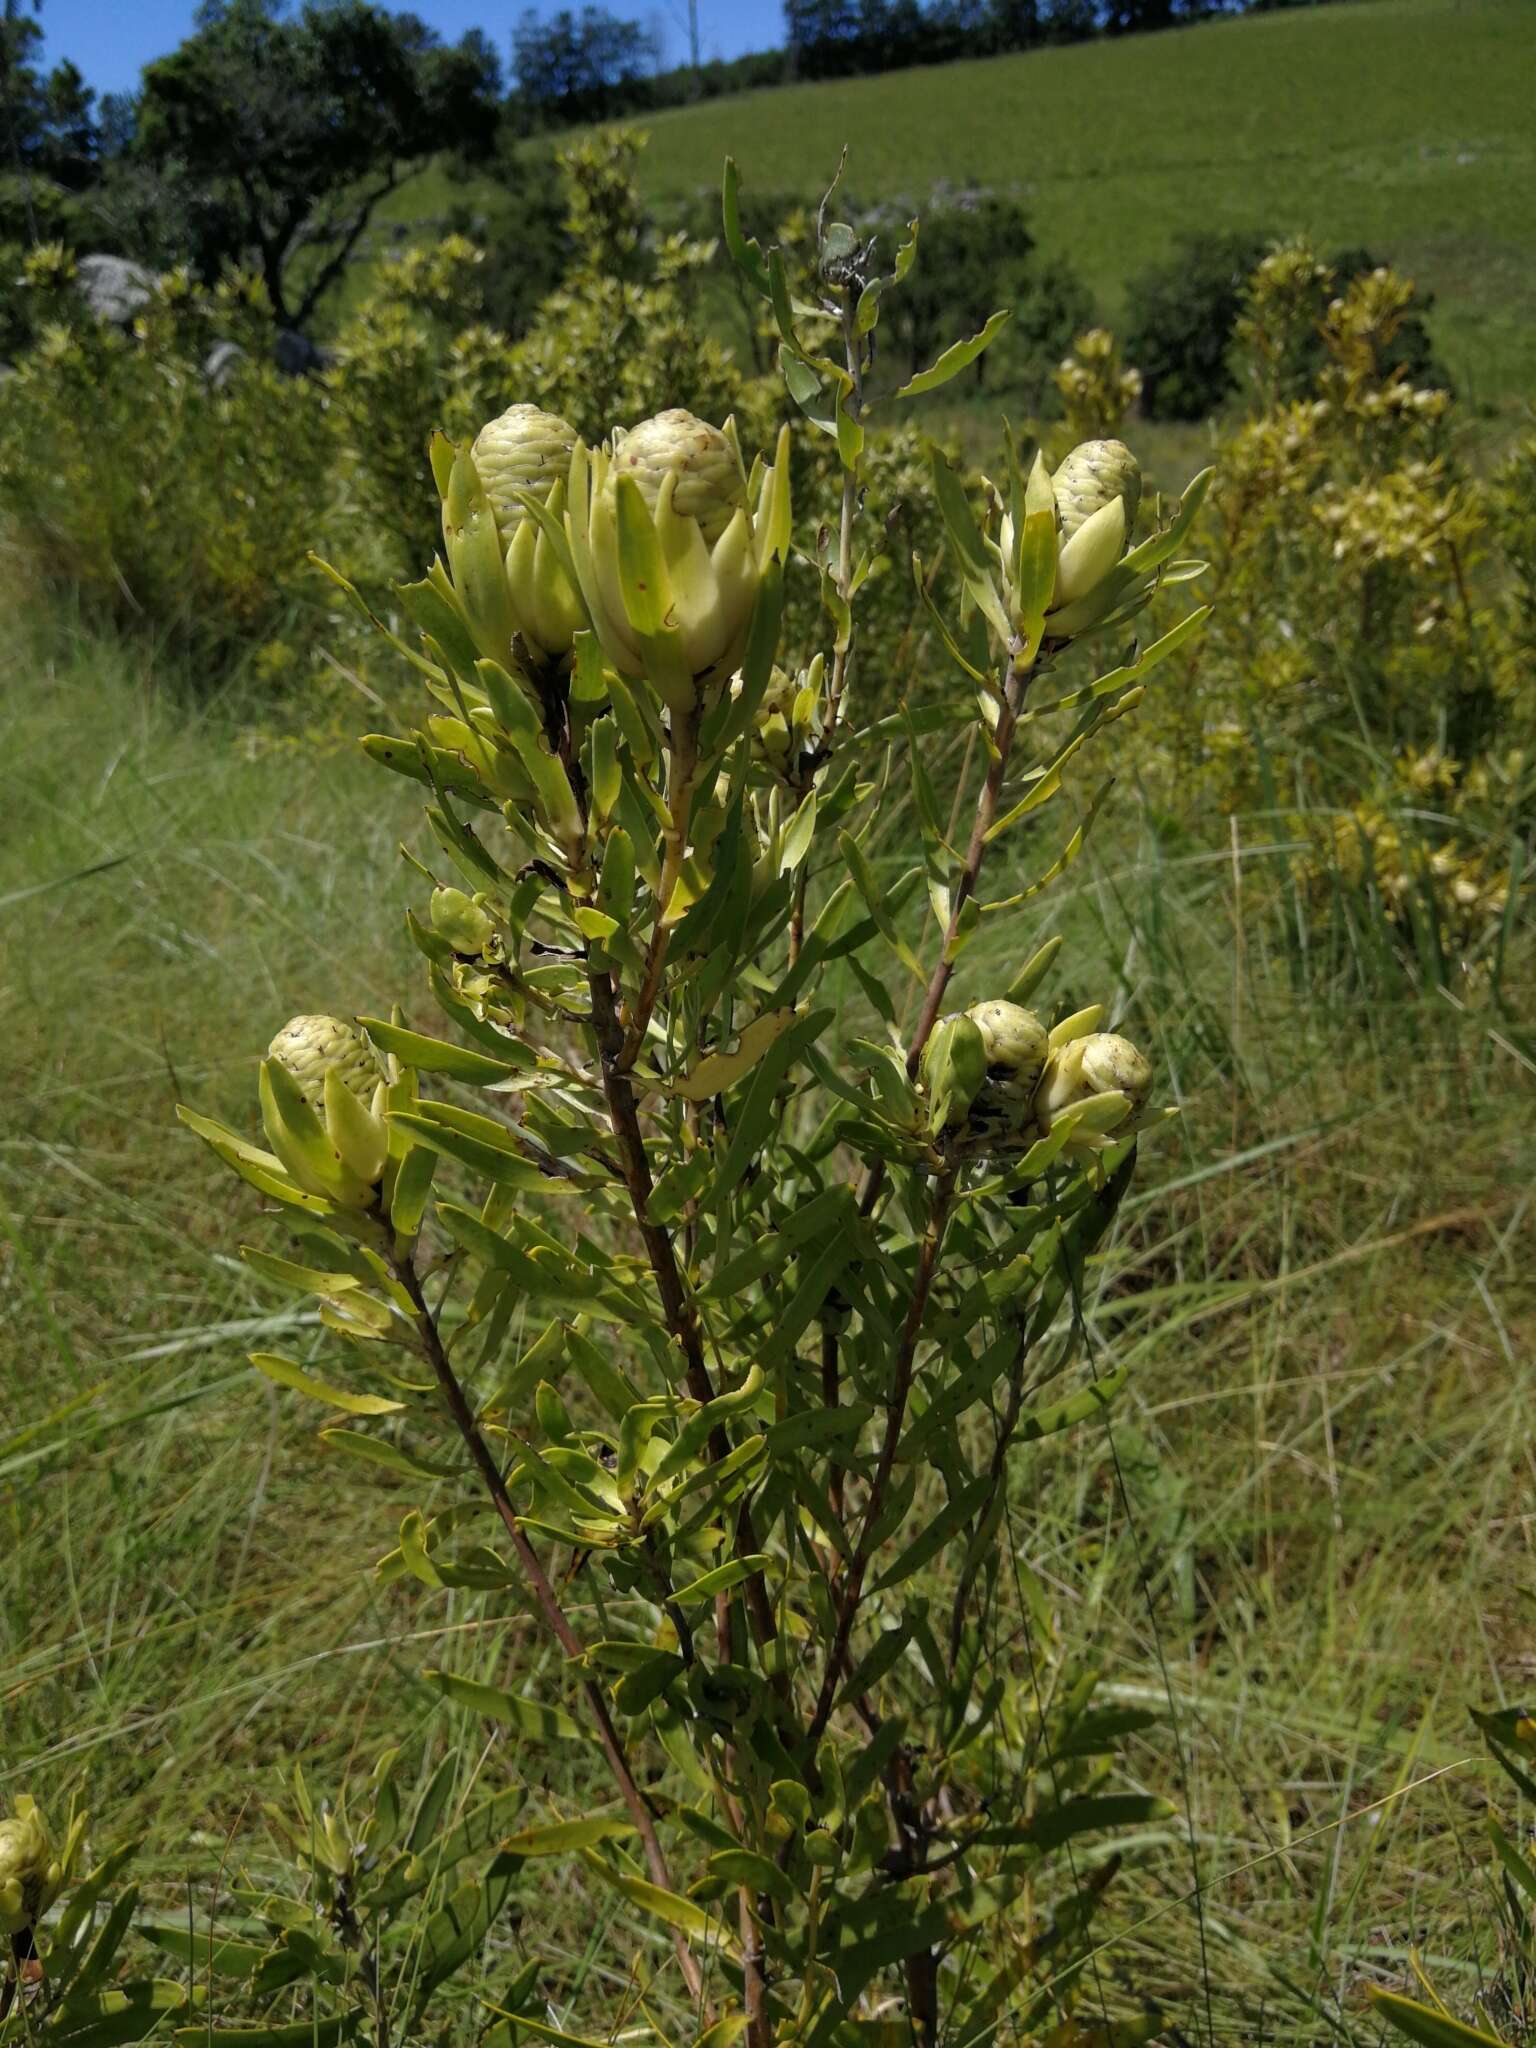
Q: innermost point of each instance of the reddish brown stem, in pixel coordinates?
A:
(545, 1597)
(895, 1418)
(681, 1316)
(975, 854)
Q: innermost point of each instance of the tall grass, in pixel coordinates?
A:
(1303, 1534)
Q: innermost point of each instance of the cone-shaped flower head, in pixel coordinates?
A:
(30, 1873)
(1015, 1040)
(522, 449)
(526, 450)
(323, 1095)
(708, 485)
(1089, 477)
(669, 557)
(312, 1047)
(1100, 1064)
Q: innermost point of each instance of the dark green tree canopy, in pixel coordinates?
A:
(48, 124)
(288, 129)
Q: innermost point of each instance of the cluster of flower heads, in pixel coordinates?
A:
(1421, 845)
(1097, 390)
(998, 1082)
(656, 538)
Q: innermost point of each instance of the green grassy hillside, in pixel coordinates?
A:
(1303, 1532)
(1401, 124)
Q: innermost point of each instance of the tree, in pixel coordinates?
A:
(1179, 322)
(978, 253)
(49, 133)
(287, 131)
(572, 66)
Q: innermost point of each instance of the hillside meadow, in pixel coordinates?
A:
(1404, 125)
(1302, 1538)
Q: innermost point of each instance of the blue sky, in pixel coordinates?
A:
(111, 40)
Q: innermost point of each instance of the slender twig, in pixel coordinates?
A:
(854, 409)
(545, 1597)
(988, 798)
(895, 1418)
(1020, 675)
(1014, 690)
(1005, 1434)
(842, 654)
(677, 1305)
(829, 1396)
(754, 1981)
(21, 1950)
(682, 774)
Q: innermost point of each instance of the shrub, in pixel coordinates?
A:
(720, 1305)
(1365, 675)
(979, 253)
(175, 478)
(416, 354)
(1097, 390)
(169, 497)
(1179, 320)
(364, 1909)
(627, 323)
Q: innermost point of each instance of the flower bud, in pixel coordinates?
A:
(1090, 554)
(1102, 1063)
(323, 1099)
(312, 1047)
(523, 449)
(548, 611)
(30, 1874)
(669, 557)
(771, 728)
(708, 485)
(459, 919)
(1015, 1041)
(1089, 477)
(785, 724)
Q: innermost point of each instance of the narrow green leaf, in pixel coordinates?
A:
(723, 1577)
(927, 1545)
(286, 1374)
(529, 1717)
(744, 251)
(671, 1907)
(559, 1837)
(316, 2033)
(956, 357)
(224, 1956)
(374, 1450)
(437, 1056)
(1423, 2024)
